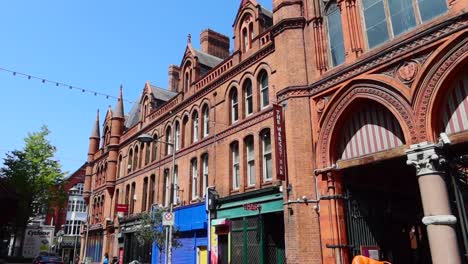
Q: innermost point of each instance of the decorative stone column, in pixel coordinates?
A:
(429, 163)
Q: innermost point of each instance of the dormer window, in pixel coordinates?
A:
(187, 76)
(247, 33)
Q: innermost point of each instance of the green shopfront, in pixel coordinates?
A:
(249, 228)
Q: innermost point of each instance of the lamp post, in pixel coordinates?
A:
(74, 193)
(146, 138)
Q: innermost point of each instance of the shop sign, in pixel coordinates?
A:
(37, 239)
(122, 208)
(252, 207)
(280, 150)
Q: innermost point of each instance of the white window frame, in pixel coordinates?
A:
(234, 106)
(206, 121)
(166, 187)
(248, 98)
(264, 89)
(194, 173)
(265, 154)
(235, 166)
(177, 136)
(168, 140)
(205, 171)
(250, 154)
(195, 126)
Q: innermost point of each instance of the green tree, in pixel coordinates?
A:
(150, 230)
(36, 177)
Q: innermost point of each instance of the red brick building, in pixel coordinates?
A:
(365, 87)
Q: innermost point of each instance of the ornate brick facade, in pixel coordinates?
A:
(407, 74)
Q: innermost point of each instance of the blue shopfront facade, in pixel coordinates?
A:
(191, 222)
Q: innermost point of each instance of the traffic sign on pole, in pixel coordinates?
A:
(168, 219)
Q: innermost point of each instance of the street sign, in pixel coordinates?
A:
(168, 219)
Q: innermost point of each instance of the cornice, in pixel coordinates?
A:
(288, 23)
(385, 56)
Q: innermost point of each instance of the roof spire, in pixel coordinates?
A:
(119, 108)
(189, 39)
(95, 133)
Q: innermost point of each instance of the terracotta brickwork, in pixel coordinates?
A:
(407, 74)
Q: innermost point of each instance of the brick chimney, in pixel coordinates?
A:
(174, 72)
(214, 43)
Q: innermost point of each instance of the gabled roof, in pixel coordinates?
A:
(161, 93)
(207, 59)
(157, 93)
(262, 10)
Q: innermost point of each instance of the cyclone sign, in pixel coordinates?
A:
(37, 239)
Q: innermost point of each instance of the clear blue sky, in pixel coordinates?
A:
(96, 45)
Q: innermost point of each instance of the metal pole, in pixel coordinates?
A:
(171, 206)
(73, 227)
(85, 251)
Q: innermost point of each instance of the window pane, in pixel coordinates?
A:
(251, 172)
(431, 8)
(268, 166)
(264, 89)
(402, 15)
(376, 24)
(335, 32)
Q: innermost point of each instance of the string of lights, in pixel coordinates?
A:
(62, 85)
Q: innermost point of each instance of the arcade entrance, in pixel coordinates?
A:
(383, 213)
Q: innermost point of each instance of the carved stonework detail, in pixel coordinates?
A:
(379, 94)
(372, 62)
(407, 71)
(426, 158)
(423, 104)
(321, 103)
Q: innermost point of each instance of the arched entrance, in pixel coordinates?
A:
(375, 201)
(382, 205)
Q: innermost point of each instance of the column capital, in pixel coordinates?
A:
(427, 158)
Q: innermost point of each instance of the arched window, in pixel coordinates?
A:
(144, 197)
(264, 94)
(185, 131)
(195, 126)
(168, 140)
(335, 34)
(147, 152)
(177, 136)
(248, 97)
(266, 155)
(146, 108)
(204, 173)
(119, 167)
(130, 161)
(234, 105)
(385, 19)
(251, 34)
(245, 38)
(235, 173)
(206, 120)
(186, 81)
(152, 189)
(250, 159)
(154, 147)
(136, 159)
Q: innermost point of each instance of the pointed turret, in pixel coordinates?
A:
(95, 133)
(119, 108)
(92, 149)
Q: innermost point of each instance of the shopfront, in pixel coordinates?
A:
(249, 228)
(191, 226)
